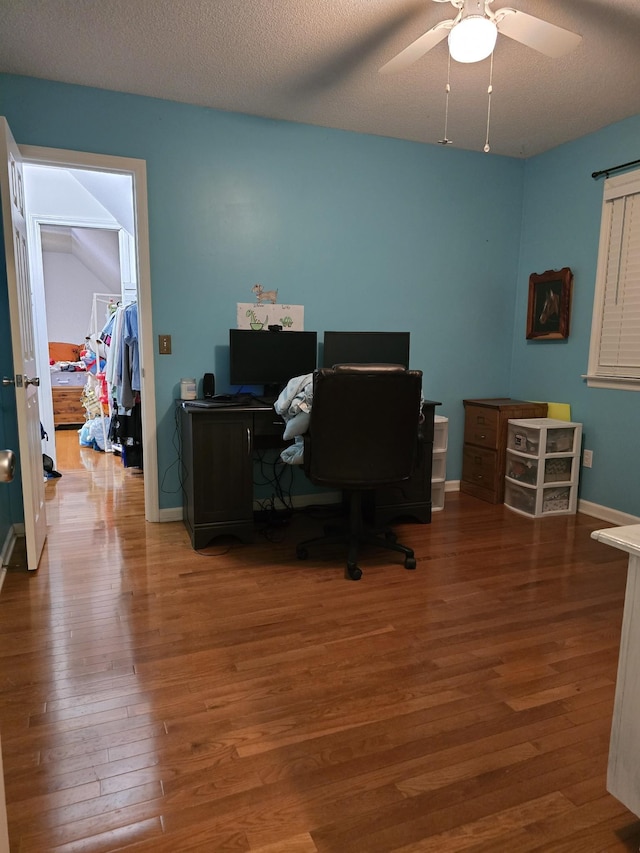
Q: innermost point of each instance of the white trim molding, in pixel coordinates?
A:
(614, 349)
(137, 169)
(614, 516)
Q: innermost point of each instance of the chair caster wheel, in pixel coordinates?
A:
(410, 563)
(302, 553)
(354, 573)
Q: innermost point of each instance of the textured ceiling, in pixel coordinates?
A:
(317, 61)
(95, 248)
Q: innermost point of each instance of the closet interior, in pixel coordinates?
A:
(95, 380)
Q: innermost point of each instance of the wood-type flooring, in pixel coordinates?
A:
(153, 698)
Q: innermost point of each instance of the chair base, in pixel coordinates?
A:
(354, 537)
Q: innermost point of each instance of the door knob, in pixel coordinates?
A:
(7, 465)
(7, 381)
(34, 381)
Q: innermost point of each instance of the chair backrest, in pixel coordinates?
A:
(363, 430)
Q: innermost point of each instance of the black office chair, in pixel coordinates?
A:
(363, 433)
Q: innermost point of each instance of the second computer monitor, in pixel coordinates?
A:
(366, 348)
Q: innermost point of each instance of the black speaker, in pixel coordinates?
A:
(208, 385)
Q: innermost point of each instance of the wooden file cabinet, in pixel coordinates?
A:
(485, 442)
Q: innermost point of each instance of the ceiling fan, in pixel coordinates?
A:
(473, 32)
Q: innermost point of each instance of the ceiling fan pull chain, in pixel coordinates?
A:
(487, 147)
(445, 140)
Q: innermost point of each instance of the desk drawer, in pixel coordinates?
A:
(481, 426)
(268, 423)
(268, 429)
(479, 467)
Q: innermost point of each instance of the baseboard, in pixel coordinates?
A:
(174, 513)
(7, 546)
(605, 513)
(14, 554)
(614, 516)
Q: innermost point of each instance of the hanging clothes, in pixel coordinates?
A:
(129, 357)
(122, 376)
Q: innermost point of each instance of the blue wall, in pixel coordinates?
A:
(561, 227)
(365, 232)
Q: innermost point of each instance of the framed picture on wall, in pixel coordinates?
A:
(549, 306)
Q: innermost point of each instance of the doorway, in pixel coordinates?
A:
(114, 188)
(77, 279)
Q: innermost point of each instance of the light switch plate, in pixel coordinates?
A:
(164, 344)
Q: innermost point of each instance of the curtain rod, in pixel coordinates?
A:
(596, 175)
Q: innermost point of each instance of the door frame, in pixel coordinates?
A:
(137, 170)
(40, 297)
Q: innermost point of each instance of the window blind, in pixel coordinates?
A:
(615, 334)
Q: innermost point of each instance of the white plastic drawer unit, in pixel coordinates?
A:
(440, 433)
(439, 461)
(437, 496)
(542, 466)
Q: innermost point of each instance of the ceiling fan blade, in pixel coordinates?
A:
(417, 48)
(540, 35)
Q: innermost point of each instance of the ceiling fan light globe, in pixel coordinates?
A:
(473, 39)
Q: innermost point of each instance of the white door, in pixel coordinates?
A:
(23, 344)
(136, 170)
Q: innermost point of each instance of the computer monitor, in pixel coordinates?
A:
(366, 348)
(270, 358)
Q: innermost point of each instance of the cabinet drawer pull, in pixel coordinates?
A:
(481, 436)
(249, 449)
(479, 477)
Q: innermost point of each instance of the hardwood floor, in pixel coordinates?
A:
(158, 699)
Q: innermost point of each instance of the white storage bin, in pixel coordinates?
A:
(522, 438)
(524, 469)
(437, 496)
(540, 436)
(560, 439)
(560, 469)
(556, 499)
(439, 465)
(521, 468)
(440, 433)
(520, 498)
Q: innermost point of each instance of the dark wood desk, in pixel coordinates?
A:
(217, 451)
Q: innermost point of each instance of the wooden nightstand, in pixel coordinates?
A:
(67, 408)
